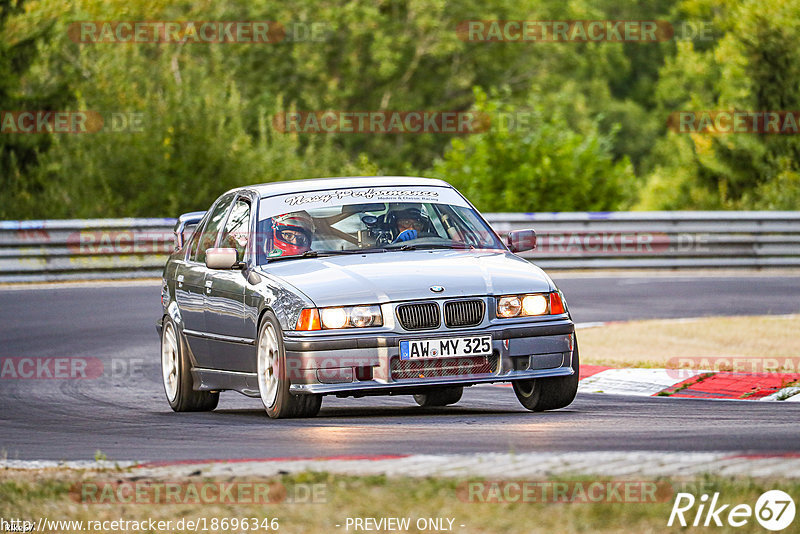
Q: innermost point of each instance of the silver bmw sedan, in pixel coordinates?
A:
(291, 291)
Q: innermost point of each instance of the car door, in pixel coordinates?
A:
(192, 281)
(230, 344)
(189, 279)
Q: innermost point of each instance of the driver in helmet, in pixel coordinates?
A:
(409, 222)
(291, 234)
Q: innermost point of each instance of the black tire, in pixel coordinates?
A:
(542, 394)
(440, 396)
(174, 361)
(279, 402)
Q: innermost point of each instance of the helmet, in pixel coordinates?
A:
(407, 212)
(291, 233)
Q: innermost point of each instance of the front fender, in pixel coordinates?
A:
(168, 300)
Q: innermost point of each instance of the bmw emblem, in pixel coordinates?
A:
(437, 289)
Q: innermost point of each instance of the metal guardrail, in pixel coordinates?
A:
(660, 239)
(137, 248)
(84, 249)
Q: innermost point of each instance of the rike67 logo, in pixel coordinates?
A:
(774, 510)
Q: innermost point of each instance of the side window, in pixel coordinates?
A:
(237, 229)
(194, 240)
(191, 246)
(263, 241)
(209, 235)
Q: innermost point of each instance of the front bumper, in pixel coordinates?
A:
(365, 364)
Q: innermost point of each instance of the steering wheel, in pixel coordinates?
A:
(420, 235)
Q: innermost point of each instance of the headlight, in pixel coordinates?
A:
(333, 317)
(530, 305)
(508, 307)
(362, 316)
(341, 317)
(534, 304)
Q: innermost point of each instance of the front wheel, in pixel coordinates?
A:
(176, 372)
(440, 396)
(274, 378)
(540, 394)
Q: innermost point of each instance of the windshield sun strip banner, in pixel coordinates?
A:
(271, 206)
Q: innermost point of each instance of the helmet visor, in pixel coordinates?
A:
(294, 235)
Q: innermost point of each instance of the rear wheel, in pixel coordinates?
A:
(176, 372)
(542, 394)
(440, 396)
(274, 379)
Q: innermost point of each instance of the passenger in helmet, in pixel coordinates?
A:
(292, 234)
(409, 222)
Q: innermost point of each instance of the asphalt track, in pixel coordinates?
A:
(124, 413)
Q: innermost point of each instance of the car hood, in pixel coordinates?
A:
(409, 275)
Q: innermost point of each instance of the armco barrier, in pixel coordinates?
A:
(659, 239)
(137, 248)
(84, 249)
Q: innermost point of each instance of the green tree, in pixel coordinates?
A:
(19, 48)
(755, 65)
(544, 166)
(198, 136)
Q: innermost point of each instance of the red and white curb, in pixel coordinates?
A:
(488, 465)
(640, 382)
(685, 383)
(766, 386)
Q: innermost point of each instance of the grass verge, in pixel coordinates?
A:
(660, 343)
(53, 494)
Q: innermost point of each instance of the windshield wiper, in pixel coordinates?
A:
(409, 246)
(306, 254)
(358, 251)
(319, 253)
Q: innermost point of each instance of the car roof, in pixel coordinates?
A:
(319, 184)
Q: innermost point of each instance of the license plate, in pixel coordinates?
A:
(445, 348)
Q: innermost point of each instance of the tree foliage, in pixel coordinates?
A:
(754, 66)
(597, 137)
(532, 160)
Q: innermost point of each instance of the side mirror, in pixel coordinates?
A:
(221, 258)
(521, 240)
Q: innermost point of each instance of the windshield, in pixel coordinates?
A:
(337, 224)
